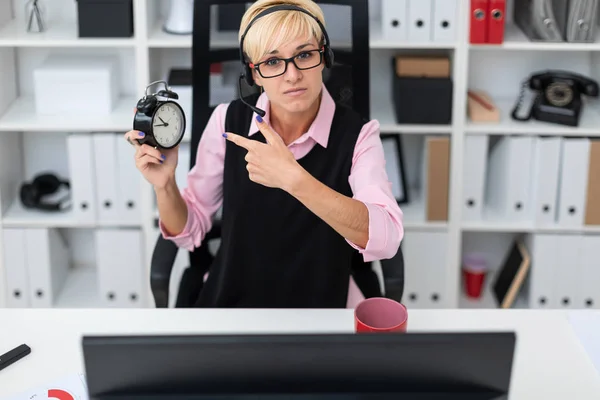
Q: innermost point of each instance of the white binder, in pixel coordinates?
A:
(419, 20)
(425, 255)
(105, 164)
(81, 175)
(573, 182)
(435, 255)
(445, 14)
(394, 20)
(474, 171)
(589, 278)
(47, 263)
(546, 170)
(568, 271)
(543, 250)
(129, 184)
(508, 186)
(413, 245)
(119, 266)
(15, 268)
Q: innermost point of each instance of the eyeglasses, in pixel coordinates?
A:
(277, 66)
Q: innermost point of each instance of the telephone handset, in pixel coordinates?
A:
(559, 97)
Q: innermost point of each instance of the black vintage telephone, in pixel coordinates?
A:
(559, 98)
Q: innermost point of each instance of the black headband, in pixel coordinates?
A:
(281, 7)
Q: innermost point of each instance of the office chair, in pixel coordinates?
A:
(349, 84)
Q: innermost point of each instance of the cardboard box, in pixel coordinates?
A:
(423, 67)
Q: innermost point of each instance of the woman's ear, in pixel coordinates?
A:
(256, 77)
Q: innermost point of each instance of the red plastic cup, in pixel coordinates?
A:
(474, 272)
(380, 314)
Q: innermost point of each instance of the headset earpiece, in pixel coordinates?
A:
(328, 57)
(248, 74)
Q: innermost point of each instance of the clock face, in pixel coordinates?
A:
(168, 124)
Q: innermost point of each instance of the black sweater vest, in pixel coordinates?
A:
(274, 252)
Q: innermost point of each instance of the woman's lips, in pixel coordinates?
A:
(295, 92)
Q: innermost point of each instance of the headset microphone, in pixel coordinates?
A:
(257, 110)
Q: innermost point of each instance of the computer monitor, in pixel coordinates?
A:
(337, 366)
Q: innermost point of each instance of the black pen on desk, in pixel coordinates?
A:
(14, 355)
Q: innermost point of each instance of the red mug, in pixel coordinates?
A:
(380, 314)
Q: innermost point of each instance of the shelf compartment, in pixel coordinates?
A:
(493, 248)
(21, 116)
(589, 124)
(382, 101)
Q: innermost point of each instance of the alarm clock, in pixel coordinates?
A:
(160, 118)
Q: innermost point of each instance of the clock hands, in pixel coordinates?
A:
(163, 122)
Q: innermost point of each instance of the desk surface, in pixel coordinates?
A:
(550, 362)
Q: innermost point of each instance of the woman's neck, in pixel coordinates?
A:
(290, 126)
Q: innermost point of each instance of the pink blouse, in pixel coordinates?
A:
(368, 180)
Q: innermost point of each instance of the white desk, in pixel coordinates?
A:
(550, 362)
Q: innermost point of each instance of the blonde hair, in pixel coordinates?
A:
(271, 31)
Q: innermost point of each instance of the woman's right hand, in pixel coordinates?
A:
(158, 167)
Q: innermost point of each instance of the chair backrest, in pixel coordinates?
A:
(348, 81)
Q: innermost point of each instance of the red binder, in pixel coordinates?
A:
(479, 17)
(496, 18)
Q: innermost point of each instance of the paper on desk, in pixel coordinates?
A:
(587, 329)
(71, 387)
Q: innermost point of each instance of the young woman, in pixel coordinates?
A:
(302, 188)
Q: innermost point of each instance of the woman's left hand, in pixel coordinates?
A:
(270, 164)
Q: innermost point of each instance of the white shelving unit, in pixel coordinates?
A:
(147, 56)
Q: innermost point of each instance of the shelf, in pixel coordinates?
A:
(218, 40)
(19, 216)
(58, 34)
(487, 300)
(160, 39)
(515, 39)
(493, 222)
(589, 124)
(21, 116)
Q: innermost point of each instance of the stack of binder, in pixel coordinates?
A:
(419, 20)
(557, 20)
(564, 271)
(105, 184)
(542, 181)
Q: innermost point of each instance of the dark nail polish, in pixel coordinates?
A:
(163, 157)
(161, 161)
(141, 134)
(259, 118)
(224, 135)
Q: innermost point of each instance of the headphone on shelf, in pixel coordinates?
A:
(45, 184)
(246, 74)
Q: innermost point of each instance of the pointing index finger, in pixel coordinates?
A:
(239, 140)
(266, 130)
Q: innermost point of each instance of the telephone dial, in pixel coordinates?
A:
(559, 97)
